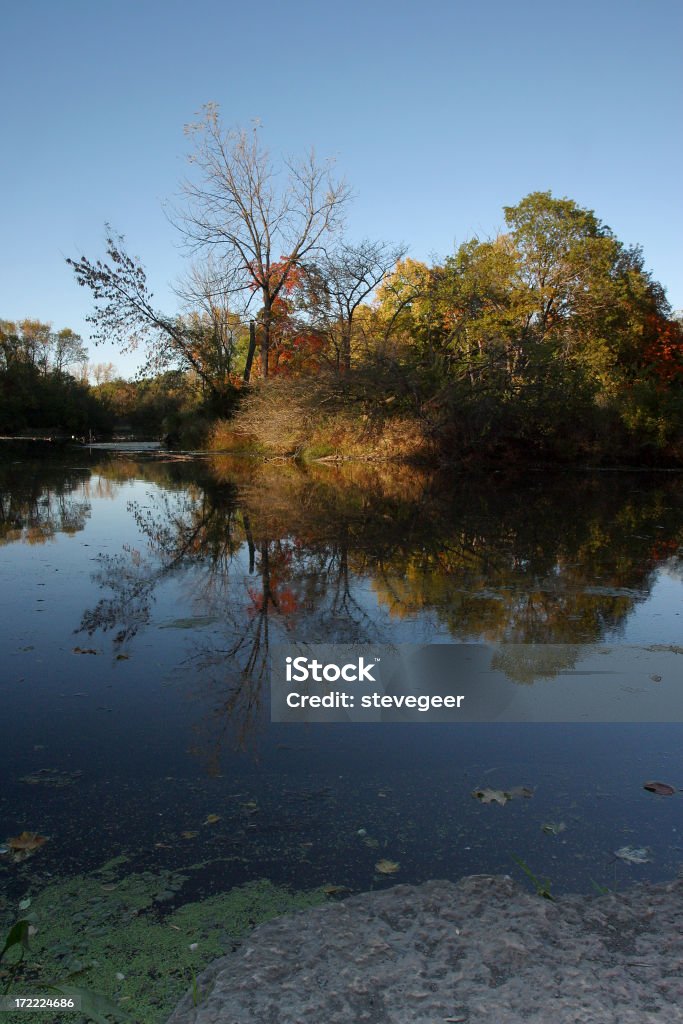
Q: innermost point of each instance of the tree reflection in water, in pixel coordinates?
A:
(40, 498)
(381, 553)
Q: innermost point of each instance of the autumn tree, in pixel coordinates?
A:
(67, 350)
(337, 285)
(404, 300)
(259, 220)
(588, 294)
(33, 343)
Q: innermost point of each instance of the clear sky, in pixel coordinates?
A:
(438, 112)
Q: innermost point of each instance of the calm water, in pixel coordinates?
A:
(139, 599)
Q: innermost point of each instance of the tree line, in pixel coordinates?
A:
(550, 334)
(47, 384)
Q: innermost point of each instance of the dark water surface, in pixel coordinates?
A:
(140, 596)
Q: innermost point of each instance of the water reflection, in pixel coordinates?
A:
(41, 499)
(188, 571)
(266, 552)
(552, 562)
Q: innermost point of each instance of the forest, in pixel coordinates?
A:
(548, 340)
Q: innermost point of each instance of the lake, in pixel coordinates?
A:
(141, 594)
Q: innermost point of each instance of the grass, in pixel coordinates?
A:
(541, 886)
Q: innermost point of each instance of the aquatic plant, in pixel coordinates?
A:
(93, 1005)
(542, 887)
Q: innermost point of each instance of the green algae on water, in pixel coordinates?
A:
(117, 932)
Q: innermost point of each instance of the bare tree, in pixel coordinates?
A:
(258, 221)
(340, 282)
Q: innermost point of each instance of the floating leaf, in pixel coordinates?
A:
(553, 828)
(633, 854)
(84, 650)
(490, 796)
(387, 867)
(501, 796)
(188, 834)
(211, 819)
(660, 788)
(26, 841)
(335, 890)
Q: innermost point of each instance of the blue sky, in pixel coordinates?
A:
(438, 113)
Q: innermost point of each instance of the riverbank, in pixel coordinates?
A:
(481, 950)
(325, 418)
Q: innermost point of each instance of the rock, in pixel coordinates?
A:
(481, 950)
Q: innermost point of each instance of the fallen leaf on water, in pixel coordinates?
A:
(501, 796)
(26, 841)
(660, 788)
(122, 657)
(189, 834)
(335, 890)
(211, 819)
(633, 854)
(84, 650)
(25, 845)
(553, 828)
(387, 867)
(490, 796)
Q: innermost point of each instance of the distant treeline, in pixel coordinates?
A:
(47, 385)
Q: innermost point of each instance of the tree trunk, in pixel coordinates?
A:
(346, 352)
(265, 338)
(250, 353)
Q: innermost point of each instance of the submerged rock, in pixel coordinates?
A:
(481, 950)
